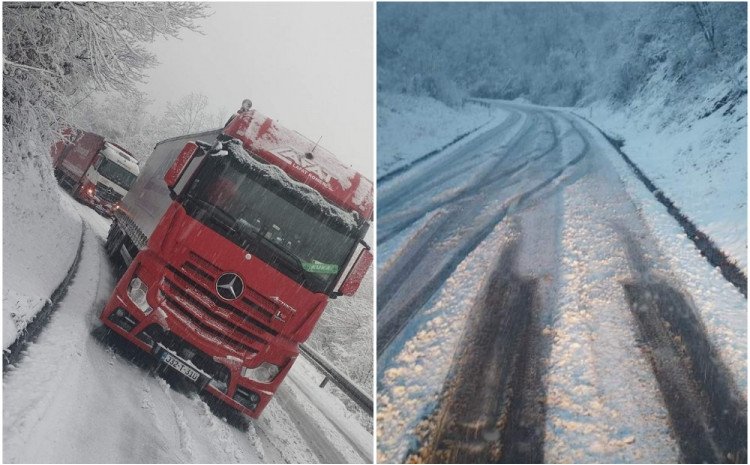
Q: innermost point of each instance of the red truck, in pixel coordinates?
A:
(96, 172)
(236, 239)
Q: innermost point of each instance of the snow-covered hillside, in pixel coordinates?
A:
(694, 147)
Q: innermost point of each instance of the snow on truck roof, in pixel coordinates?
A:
(304, 192)
(118, 155)
(303, 161)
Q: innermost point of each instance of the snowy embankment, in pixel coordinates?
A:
(411, 126)
(41, 233)
(694, 149)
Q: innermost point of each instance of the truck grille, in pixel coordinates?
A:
(107, 193)
(244, 327)
(267, 307)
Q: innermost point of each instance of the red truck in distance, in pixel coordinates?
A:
(94, 171)
(236, 239)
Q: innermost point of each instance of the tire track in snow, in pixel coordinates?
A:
(489, 175)
(393, 198)
(707, 413)
(393, 316)
(394, 193)
(491, 410)
(185, 437)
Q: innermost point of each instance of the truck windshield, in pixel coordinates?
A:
(293, 234)
(116, 173)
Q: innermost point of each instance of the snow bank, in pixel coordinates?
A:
(411, 126)
(696, 152)
(41, 233)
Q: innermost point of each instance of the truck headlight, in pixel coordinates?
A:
(137, 292)
(264, 373)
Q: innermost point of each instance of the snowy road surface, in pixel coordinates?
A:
(72, 398)
(535, 303)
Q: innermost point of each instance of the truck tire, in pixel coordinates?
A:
(225, 412)
(109, 245)
(115, 239)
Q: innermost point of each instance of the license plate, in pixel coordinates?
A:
(168, 359)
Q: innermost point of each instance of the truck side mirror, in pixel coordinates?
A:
(357, 273)
(174, 173)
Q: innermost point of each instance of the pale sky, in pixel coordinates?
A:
(307, 65)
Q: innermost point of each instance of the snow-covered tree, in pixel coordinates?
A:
(122, 119)
(556, 53)
(56, 54)
(188, 114)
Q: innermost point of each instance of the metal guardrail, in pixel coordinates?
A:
(339, 379)
(476, 101)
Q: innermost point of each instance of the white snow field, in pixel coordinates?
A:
(587, 256)
(72, 399)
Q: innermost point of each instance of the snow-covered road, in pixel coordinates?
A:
(73, 398)
(535, 303)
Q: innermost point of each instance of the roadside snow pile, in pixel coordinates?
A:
(696, 152)
(411, 126)
(41, 233)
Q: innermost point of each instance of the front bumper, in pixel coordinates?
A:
(88, 195)
(99, 205)
(160, 327)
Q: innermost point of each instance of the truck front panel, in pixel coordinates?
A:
(107, 180)
(181, 268)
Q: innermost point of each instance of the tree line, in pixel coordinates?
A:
(556, 53)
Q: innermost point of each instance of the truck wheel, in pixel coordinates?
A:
(101, 333)
(115, 239)
(225, 412)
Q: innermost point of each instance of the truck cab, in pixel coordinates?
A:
(108, 179)
(236, 239)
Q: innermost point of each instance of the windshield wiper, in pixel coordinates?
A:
(244, 227)
(227, 220)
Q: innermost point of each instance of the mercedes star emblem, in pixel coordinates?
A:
(229, 286)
